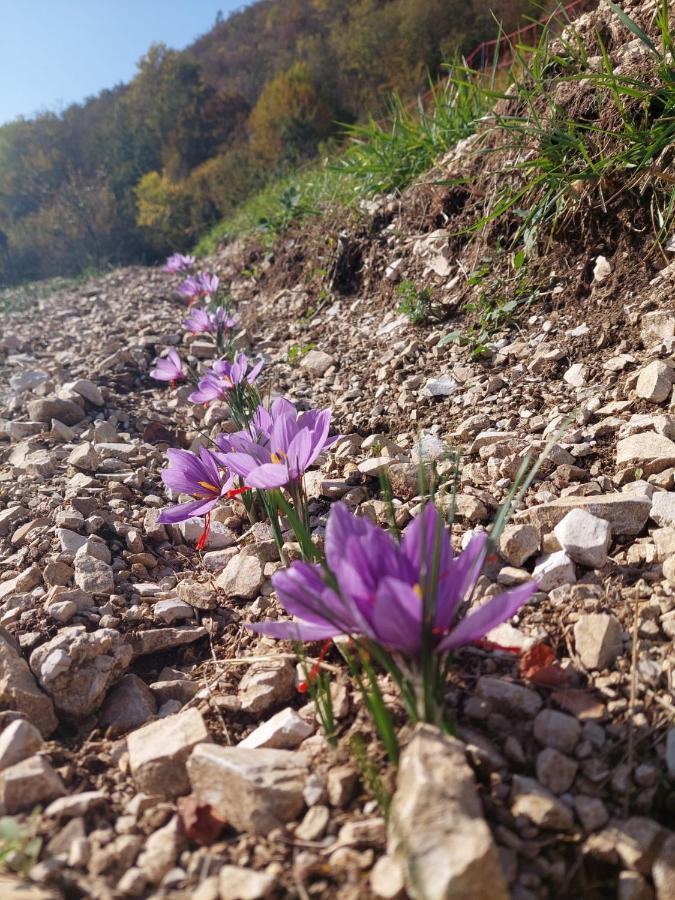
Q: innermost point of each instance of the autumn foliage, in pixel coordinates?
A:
(155, 163)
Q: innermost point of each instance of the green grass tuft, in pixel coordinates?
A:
(382, 158)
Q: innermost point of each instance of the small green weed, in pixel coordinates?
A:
(19, 846)
(415, 302)
(501, 301)
(291, 207)
(370, 772)
(297, 351)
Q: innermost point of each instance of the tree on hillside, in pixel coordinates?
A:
(290, 117)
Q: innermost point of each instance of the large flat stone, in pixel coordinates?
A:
(54, 408)
(76, 668)
(647, 450)
(27, 783)
(255, 790)
(626, 513)
(158, 752)
(157, 640)
(436, 827)
(19, 690)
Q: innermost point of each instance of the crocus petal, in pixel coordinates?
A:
(240, 463)
(210, 466)
(183, 471)
(262, 421)
(175, 359)
(294, 631)
(304, 594)
(282, 406)
(255, 371)
(320, 432)
(299, 453)
(161, 374)
(397, 616)
(366, 561)
(492, 613)
(237, 370)
(268, 476)
(343, 524)
(457, 582)
(183, 511)
(422, 539)
(189, 473)
(208, 389)
(283, 431)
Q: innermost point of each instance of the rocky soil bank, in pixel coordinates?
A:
(170, 750)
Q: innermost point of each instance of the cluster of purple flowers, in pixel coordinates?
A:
(202, 286)
(275, 451)
(179, 263)
(380, 589)
(279, 446)
(201, 321)
(224, 377)
(409, 597)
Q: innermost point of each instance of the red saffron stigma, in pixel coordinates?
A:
(303, 687)
(235, 492)
(201, 543)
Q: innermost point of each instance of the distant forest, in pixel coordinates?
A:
(151, 165)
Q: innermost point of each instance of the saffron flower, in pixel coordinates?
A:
(201, 476)
(179, 263)
(259, 428)
(169, 368)
(199, 287)
(224, 377)
(286, 447)
(201, 321)
(382, 590)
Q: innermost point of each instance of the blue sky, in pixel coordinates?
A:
(55, 52)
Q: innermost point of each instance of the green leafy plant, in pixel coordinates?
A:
(19, 845)
(297, 351)
(501, 301)
(415, 303)
(290, 208)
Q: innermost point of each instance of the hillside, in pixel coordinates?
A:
(512, 302)
(151, 165)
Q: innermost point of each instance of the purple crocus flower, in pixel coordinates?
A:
(287, 446)
(198, 321)
(199, 287)
(382, 587)
(179, 263)
(201, 321)
(224, 377)
(222, 320)
(169, 368)
(200, 475)
(259, 429)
